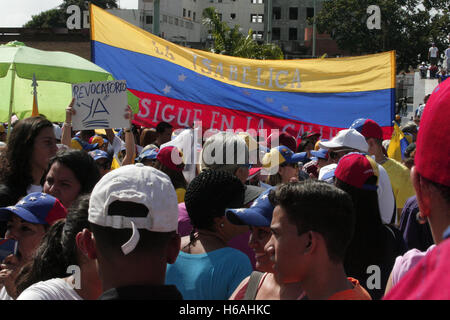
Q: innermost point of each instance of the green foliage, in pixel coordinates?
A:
(56, 18)
(407, 26)
(231, 42)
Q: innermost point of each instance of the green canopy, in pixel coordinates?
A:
(55, 72)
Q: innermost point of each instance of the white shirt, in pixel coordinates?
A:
(53, 289)
(4, 295)
(433, 52)
(386, 200)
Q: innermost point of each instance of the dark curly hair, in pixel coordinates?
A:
(15, 162)
(209, 194)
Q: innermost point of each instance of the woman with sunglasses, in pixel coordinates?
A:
(282, 165)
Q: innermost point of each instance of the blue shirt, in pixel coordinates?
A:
(208, 276)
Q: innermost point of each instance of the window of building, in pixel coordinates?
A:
(219, 1)
(148, 19)
(276, 13)
(171, 20)
(309, 12)
(292, 34)
(293, 13)
(233, 16)
(164, 18)
(193, 15)
(176, 21)
(256, 18)
(189, 13)
(257, 1)
(257, 35)
(220, 16)
(184, 12)
(276, 34)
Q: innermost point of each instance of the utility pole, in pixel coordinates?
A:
(268, 21)
(314, 32)
(156, 18)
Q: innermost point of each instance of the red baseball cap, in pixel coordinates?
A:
(355, 168)
(368, 128)
(284, 139)
(433, 162)
(171, 157)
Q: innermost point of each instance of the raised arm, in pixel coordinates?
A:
(129, 140)
(66, 134)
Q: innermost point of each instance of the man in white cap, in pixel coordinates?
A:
(350, 140)
(133, 213)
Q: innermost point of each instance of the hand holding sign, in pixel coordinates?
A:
(99, 105)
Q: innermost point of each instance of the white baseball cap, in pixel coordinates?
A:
(349, 138)
(139, 184)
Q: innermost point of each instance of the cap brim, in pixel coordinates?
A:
(318, 155)
(248, 216)
(22, 213)
(251, 193)
(299, 157)
(329, 145)
(90, 147)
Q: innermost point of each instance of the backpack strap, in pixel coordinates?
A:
(252, 287)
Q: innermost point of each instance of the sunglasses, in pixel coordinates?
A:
(292, 165)
(337, 154)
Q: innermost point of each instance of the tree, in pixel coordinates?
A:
(231, 42)
(56, 18)
(407, 26)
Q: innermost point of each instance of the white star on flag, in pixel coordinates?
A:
(167, 89)
(269, 100)
(32, 198)
(22, 202)
(264, 196)
(285, 108)
(182, 77)
(240, 210)
(13, 208)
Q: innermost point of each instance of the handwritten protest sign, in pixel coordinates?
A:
(100, 105)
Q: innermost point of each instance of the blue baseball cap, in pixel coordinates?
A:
(258, 215)
(282, 154)
(36, 207)
(149, 154)
(320, 154)
(99, 154)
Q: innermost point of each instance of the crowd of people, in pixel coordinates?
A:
(435, 69)
(320, 219)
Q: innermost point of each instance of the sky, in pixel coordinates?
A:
(15, 13)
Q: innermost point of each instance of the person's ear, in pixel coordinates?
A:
(421, 192)
(220, 222)
(311, 242)
(173, 248)
(86, 243)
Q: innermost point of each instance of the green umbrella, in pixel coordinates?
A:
(54, 71)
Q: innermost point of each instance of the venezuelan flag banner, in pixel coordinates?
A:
(398, 144)
(181, 85)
